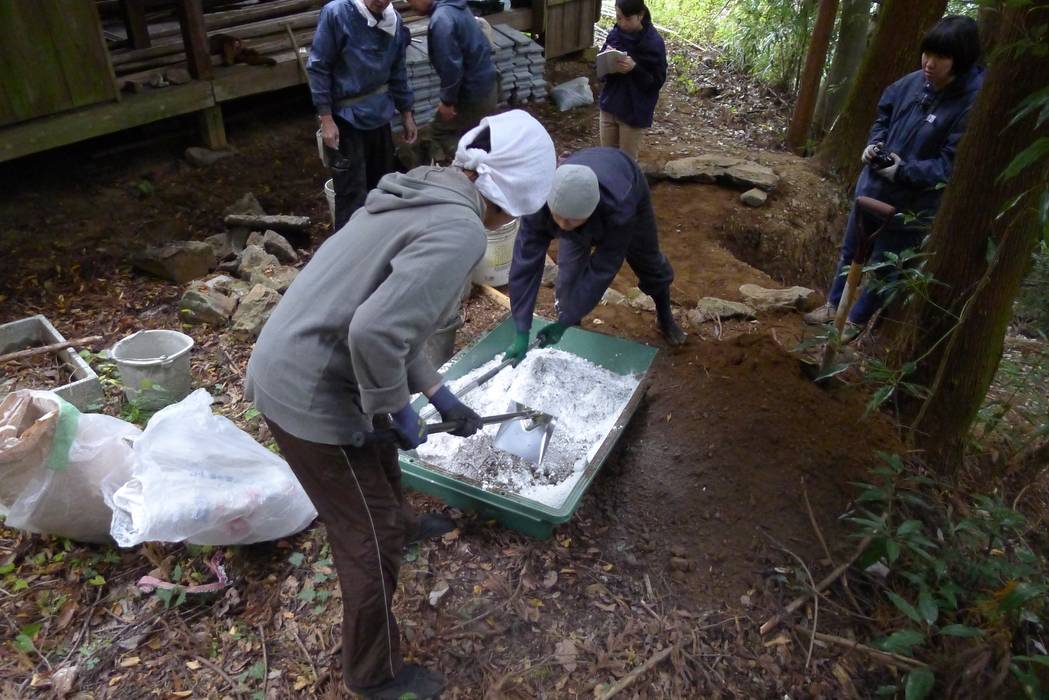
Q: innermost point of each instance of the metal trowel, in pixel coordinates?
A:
(528, 438)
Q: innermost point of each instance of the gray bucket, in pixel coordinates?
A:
(154, 367)
(441, 345)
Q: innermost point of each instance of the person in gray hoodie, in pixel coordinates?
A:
(342, 354)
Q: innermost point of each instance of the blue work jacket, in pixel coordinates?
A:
(588, 257)
(460, 53)
(923, 127)
(350, 59)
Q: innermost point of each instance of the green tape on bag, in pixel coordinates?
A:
(65, 433)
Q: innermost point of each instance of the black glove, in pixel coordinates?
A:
(452, 409)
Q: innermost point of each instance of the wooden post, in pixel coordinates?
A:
(212, 130)
(194, 38)
(801, 120)
(134, 13)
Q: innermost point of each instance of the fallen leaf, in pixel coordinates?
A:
(193, 665)
(180, 693)
(129, 662)
(300, 683)
(62, 681)
(115, 680)
(566, 654)
(438, 592)
(550, 580)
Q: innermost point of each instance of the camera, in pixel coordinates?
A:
(880, 159)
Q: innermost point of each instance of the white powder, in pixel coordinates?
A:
(585, 400)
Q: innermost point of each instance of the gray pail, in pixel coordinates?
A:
(154, 367)
(441, 345)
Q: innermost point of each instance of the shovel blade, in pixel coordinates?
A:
(527, 439)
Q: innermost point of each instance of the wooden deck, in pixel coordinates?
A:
(151, 105)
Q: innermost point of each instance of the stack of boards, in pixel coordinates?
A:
(519, 63)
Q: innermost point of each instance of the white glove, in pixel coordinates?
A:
(889, 173)
(868, 153)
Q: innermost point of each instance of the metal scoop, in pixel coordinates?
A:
(527, 439)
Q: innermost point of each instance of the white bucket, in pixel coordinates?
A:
(329, 194)
(154, 367)
(494, 268)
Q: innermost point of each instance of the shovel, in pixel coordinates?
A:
(882, 212)
(527, 439)
(390, 435)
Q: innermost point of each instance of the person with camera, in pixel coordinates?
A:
(338, 361)
(910, 154)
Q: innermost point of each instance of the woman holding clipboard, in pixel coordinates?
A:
(632, 84)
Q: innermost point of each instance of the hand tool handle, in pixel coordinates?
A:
(390, 435)
(473, 384)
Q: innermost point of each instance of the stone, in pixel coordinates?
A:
(253, 312)
(754, 197)
(246, 205)
(178, 261)
(653, 170)
(204, 303)
(203, 157)
(549, 272)
(238, 236)
(177, 76)
(230, 286)
(222, 245)
(276, 278)
(762, 299)
(253, 258)
(637, 299)
(724, 169)
(710, 308)
(611, 296)
(278, 246)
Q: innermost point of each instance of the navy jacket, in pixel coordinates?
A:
(460, 53)
(348, 58)
(589, 257)
(923, 127)
(632, 96)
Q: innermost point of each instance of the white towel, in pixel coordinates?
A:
(519, 170)
(388, 23)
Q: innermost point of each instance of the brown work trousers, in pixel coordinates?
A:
(358, 497)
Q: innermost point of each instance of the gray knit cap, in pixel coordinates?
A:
(575, 192)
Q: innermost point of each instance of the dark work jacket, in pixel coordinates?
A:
(589, 257)
(923, 127)
(350, 59)
(460, 53)
(632, 96)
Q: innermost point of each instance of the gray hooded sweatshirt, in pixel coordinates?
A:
(346, 341)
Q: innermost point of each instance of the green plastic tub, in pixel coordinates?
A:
(515, 512)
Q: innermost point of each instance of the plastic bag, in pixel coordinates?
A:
(53, 461)
(199, 478)
(572, 93)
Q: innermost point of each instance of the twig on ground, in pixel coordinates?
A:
(234, 688)
(826, 549)
(886, 657)
(830, 578)
(627, 680)
(305, 653)
(265, 661)
(815, 595)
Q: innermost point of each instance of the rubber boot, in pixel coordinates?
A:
(671, 331)
(413, 681)
(429, 526)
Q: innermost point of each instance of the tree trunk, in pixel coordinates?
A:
(798, 131)
(848, 52)
(892, 54)
(989, 19)
(957, 354)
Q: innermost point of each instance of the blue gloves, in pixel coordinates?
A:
(410, 429)
(518, 349)
(452, 409)
(551, 334)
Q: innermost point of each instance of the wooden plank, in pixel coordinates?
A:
(83, 65)
(194, 38)
(134, 13)
(77, 125)
(29, 72)
(240, 81)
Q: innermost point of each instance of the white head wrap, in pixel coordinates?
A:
(519, 170)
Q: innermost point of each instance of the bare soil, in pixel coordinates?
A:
(667, 547)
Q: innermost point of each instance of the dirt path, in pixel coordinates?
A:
(719, 450)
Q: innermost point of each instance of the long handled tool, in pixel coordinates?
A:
(390, 435)
(527, 439)
(864, 244)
